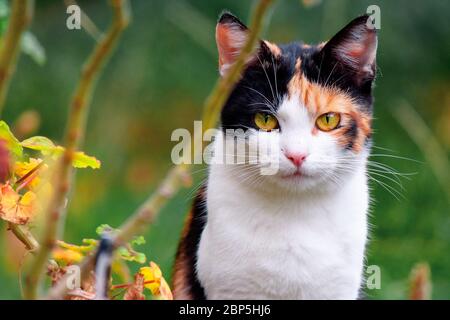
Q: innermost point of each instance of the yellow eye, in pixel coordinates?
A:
(328, 121)
(265, 121)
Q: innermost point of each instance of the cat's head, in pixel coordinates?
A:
(314, 102)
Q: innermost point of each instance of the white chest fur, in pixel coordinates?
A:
(275, 246)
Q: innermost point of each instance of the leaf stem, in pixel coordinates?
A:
(75, 130)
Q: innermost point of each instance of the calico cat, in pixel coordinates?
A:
(299, 233)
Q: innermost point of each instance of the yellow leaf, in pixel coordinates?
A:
(23, 168)
(155, 282)
(152, 276)
(67, 256)
(82, 160)
(16, 208)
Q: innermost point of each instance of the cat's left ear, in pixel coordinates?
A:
(231, 36)
(354, 48)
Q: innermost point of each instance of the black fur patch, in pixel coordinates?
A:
(261, 89)
(351, 133)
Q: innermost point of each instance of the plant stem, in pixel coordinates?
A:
(177, 175)
(24, 235)
(21, 14)
(75, 130)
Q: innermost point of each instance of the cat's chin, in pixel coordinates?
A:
(298, 182)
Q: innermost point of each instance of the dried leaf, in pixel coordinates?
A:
(135, 291)
(16, 208)
(55, 272)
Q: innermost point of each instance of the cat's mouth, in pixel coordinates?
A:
(295, 175)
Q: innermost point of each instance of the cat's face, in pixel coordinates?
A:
(311, 104)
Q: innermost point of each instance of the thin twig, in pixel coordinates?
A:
(76, 124)
(21, 14)
(176, 177)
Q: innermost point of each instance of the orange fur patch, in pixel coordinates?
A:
(229, 42)
(319, 100)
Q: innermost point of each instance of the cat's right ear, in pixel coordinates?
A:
(231, 36)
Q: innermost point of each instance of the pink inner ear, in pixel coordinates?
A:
(355, 51)
(359, 53)
(230, 40)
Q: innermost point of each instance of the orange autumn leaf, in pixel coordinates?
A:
(16, 208)
(155, 282)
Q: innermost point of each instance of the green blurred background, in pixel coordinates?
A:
(161, 73)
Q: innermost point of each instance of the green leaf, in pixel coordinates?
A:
(90, 242)
(131, 255)
(82, 160)
(42, 144)
(139, 257)
(138, 240)
(47, 147)
(104, 228)
(31, 47)
(11, 141)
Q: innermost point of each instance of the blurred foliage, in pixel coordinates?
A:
(158, 79)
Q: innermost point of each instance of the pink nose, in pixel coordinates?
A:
(296, 158)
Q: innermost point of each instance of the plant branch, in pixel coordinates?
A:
(75, 130)
(21, 14)
(179, 174)
(24, 235)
